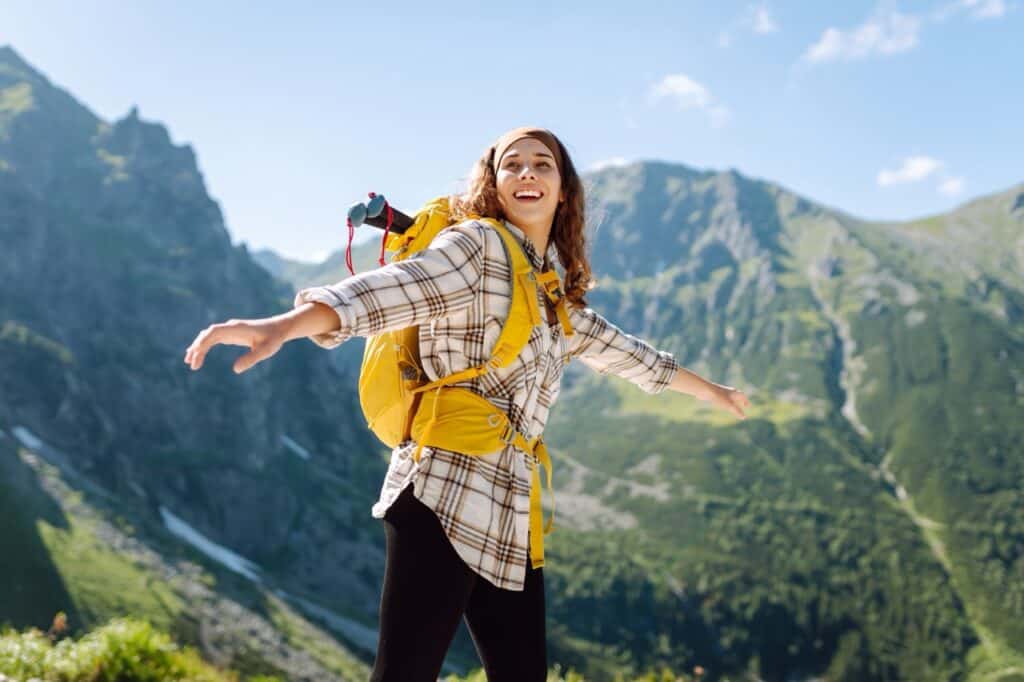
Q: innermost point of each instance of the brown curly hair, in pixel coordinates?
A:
(567, 229)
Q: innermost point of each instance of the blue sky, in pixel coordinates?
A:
(885, 110)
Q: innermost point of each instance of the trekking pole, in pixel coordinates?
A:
(376, 213)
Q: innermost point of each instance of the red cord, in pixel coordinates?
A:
(352, 231)
(348, 249)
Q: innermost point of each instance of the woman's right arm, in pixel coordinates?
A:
(432, 284)
(263, 337)
(435, 283)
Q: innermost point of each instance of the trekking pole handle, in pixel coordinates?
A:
(375, 214)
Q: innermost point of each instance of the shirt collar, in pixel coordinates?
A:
(531, 251)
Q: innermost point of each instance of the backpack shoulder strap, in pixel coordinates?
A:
(524, 311)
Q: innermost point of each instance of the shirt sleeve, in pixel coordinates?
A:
(432, 284)
(606, 349)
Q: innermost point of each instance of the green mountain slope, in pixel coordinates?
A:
(864, 521)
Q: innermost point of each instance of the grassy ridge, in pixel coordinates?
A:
(61, 552)
(124, 650)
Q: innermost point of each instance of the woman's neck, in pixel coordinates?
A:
(537, 234)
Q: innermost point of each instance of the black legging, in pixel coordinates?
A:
(428, 587)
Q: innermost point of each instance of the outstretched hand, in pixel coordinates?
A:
(728, 398)
(263, 338)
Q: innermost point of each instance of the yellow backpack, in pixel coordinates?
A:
(399, 403)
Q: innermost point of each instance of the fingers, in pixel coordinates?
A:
(233, 332)
(737, 401)
(195, 354)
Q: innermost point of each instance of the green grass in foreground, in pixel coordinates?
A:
(128, 650)
(124, 650)
(556, 675)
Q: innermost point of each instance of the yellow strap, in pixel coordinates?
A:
(545, 460)
(552, 287)
(538, 529)
(427, 430)
(464, 375)
(531, 295)
(548, 279)
(563, 318)
(536, 532)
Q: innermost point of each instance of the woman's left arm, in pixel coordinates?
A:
(726, 397)
(607, 349)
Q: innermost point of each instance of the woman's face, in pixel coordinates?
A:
(529, 184)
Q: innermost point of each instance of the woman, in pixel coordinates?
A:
(457, 526)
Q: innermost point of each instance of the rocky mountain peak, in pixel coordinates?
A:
(12, 62)
(651, 215)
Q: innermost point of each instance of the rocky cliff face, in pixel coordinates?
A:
(114, 258)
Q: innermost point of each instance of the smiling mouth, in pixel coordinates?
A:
(528, 195)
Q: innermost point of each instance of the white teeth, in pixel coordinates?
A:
(528, 193)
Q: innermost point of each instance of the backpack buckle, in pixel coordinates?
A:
(508, 435)
(552, 288)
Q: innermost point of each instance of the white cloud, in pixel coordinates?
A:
(984, 9)
(755, 18)
(978, 9)
(914, 169)
(892, 32)
(879, 35)
(613, 162)
(762, 20)
(689, 94)
(685, 91)
(952, 186)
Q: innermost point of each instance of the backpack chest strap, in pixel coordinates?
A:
(552, 288)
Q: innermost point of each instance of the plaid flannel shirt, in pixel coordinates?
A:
(458, 290)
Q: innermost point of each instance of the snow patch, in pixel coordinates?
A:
(915, 317)
(294, 447)
(218, 553)
(27, 438)
(357, 633)
(648, 465)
